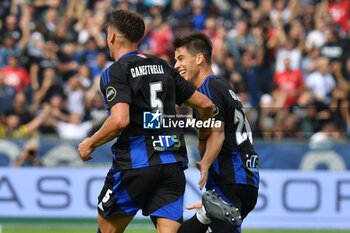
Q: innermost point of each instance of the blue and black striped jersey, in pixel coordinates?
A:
(237, 162)
(152, 89)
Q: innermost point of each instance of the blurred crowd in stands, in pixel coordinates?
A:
(288, 60)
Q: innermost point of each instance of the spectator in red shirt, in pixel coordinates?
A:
(339, 11)
(160, 40)
(15, 76)
(291, 82)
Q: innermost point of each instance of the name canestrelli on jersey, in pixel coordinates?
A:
(146, 70)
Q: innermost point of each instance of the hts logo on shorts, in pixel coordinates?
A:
(152, 120)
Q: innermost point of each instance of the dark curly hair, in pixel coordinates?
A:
(130, 24)
(195, 43)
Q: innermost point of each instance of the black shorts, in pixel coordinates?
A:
(157, 190)
(244, 197)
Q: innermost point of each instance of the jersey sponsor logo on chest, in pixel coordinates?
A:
(146, 70)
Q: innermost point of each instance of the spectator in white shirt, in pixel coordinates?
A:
(75, 128)
(321, 82)
(289, 50)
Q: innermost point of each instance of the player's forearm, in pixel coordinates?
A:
(204, 113)
(214, 144)
(108, 131)
(118, 120)
(202, 104)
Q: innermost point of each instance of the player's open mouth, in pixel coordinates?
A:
(182, 73)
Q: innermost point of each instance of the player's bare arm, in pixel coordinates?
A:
(112, 127)
(213, 146)
(204, 108)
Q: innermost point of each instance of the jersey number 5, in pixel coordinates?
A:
(154, 88)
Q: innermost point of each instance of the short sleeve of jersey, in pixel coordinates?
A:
(184, 89)
(115, 86)
(216, 90)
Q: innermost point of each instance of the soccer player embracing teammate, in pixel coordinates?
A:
(228, 152)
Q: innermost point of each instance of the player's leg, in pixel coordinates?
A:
(214, 208)
(217, 208)
(242, 196)
(229, 194)
(115, 206)
(166, 203)
(249, 196)
(165, 225)
(193, 225)
(116, 224)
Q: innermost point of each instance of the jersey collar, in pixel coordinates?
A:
(206, 80)
(210, 76)
(129, 54)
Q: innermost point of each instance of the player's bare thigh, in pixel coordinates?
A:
(165, 225)
(116, 224)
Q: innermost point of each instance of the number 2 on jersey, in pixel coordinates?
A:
(241, 134)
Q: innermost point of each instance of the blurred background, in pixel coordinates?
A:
(288, 61)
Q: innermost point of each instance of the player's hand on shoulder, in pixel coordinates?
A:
(85, 149)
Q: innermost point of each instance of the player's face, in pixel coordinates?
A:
(186, 64)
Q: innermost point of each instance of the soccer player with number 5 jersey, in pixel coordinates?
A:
(148, 160)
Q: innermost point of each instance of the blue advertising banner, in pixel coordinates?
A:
(288, 199)
(281, 155)
(292, 155)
